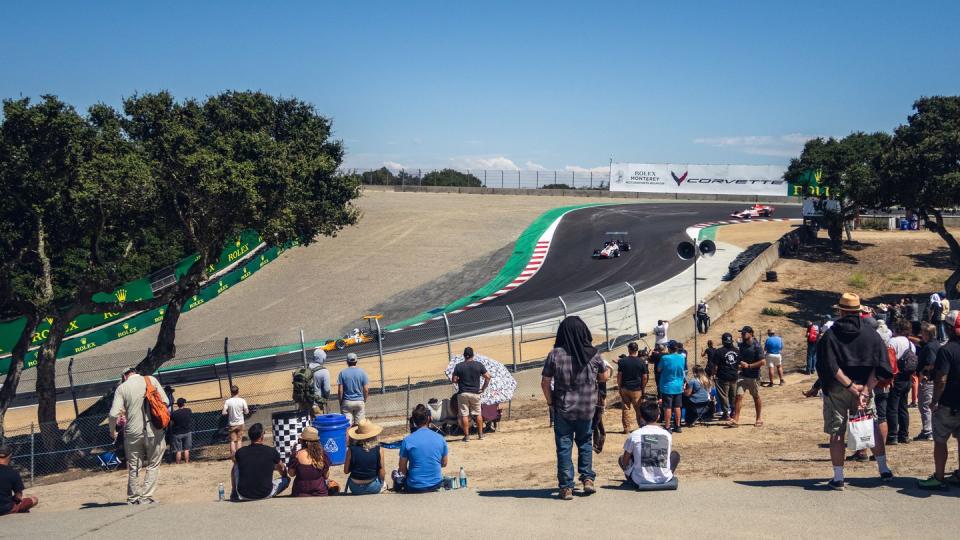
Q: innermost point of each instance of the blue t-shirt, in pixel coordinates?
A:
(352, 379)
(424, 450)
(671, 373)
(698, 392)
(773, 345)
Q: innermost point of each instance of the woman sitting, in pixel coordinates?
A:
(364, 462)
(696, 396)
(309, 466)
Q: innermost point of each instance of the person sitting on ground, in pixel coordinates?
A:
(423, 455)
(181, 429)
(672, 375)
(647, 454)
(632, 375)
(253, 466)
(773, 349)
(696, 396)
(12, 499)
(364, 464)
(309, 466)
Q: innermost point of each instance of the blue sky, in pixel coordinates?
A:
(557, 85)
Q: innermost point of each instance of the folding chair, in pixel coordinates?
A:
(108, 461)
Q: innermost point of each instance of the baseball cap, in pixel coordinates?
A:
(953, 319)
(351, 358)
(6, 450)
(672, 344)
(746, 329)
(727, 338)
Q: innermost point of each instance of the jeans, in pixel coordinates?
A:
(923, 403)
(811, 357)
(566, 433)
(727, 393)
(372, 488)
(898, 417)
(703, 323)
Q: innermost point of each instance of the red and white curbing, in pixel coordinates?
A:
(694, 231)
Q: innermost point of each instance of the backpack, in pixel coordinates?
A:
(153, 402)
(303, 389)
(908, 362)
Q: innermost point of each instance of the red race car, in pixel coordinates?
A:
(755, 211)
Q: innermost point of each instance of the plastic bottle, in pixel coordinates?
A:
(220, 492)
(463, 478)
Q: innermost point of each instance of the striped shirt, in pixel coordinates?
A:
(574, 391)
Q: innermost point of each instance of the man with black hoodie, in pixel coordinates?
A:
(851, 357)
(727, 360)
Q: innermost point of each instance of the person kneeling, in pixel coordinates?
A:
(253, 467)
(647, 455)
(423, 454)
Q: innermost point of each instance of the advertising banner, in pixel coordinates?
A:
(685, 179)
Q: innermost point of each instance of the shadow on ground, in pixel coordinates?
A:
(819, 250)
(938, 258)
(532, 493)
(903, 485)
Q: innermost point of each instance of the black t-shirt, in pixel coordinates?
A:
(633, 369)
(469, 373)
(948, 363)
(750, 353)
(181, 421)
(10, 483)
(256, 464)
(927, 356)
(728, 363)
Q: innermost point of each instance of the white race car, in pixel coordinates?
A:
(755, 211)
(615, 243)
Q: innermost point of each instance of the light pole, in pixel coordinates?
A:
(687, 251)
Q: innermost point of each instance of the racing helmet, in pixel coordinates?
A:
(727, 338)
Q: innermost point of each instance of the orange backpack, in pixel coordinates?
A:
(156, 408)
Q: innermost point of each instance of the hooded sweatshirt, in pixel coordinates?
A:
(853, 347)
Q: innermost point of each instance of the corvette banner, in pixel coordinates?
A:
(679, 178)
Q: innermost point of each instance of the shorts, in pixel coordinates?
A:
(672, 401)
(838, 403)
(469, 404)
(748, 385)
(946, 422)
(880, 398)
(774, 360)
(182, 442)
(236, 433)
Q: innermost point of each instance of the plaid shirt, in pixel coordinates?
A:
(574, 392)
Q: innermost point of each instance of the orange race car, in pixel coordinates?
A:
(358, 336)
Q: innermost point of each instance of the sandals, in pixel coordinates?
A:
(932, 484)
(759, 423)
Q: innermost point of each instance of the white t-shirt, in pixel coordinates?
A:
(900, 344)
(235, 408)
(650, 447)
(661, 332)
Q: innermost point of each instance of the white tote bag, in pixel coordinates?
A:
(860, 432)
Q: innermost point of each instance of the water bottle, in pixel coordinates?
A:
(463, 478)
(220, 492)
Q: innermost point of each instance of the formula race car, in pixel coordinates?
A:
(358, 336)
(612, 246)
(755, 211)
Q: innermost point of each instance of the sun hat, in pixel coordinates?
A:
(848, 302)
(953, 319)
(364, 430)
(310, 433)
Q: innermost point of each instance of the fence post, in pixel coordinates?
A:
(636, 310)
(606, 323)
(591, 179)
(518, 178)
(32, 453)
(380, 354)
(538, 180)
(573, 177)
(408, 396)
(501, 179)
(564, 305)
(226, 359)
(484, 178)
(73, 392)
(419, 177)
(446, 324)
(303, 349)
(219, 385)
(513, 337)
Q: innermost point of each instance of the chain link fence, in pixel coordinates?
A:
(509, 178)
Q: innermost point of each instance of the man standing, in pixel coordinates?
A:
(703, 317)
(813, 334)
(12, 499)
(728, 369)
(850, 358)
(926, 360)
(253, 466)
(912, 313)
(898, 417)
(660, 332)
(632, 376)
(672, 376)
(353, 388)
(321, 375)
(946, 399)
(467, 375)
(181, 429)
(569, 383)
(773, 349)
(143, 444)
(236, 410)
(751, 360)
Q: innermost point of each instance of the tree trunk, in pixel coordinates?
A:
(165, 347)
(47, 380)
(9, 390)
(937, 226)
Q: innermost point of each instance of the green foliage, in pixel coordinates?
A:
(555, 186)
(857, 280)
(451, 177)
(773, 312)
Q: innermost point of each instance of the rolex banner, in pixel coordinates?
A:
(684, 179)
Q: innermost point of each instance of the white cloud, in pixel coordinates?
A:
(789, 145)
(394, 165)
(579, 169)
(531, 166)
(473, 162)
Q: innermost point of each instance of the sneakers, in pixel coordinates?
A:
(932, 484)
(588, 488)
(904, 440)
(676, 429)
(891, 441)
(566, 494)
(924, 436)
(857, 456)
(836, 485)
(886, 476)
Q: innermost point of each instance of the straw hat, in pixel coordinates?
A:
(310, 433)
(848, 302)
(364, 430)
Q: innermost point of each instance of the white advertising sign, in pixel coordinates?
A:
(760, 180)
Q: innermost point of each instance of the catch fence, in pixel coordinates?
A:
(491, 178)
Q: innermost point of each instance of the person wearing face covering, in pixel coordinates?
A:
(570, 375)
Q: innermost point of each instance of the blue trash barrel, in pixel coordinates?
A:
(333, 436)
(904, 224)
